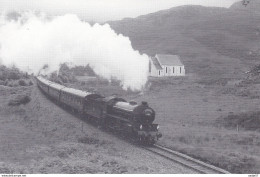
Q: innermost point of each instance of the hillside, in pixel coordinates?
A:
(156, 30)
(213, 113)
(203, 36)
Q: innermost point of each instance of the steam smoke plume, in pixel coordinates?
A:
(34, 40)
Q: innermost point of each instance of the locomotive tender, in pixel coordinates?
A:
(109, 112)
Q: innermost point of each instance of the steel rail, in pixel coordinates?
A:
(187, 161)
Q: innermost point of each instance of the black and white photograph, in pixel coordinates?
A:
(129, 87)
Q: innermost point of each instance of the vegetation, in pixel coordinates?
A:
(10, 73)
(13, 77)
(245, 121)
(19, 99)
(83, 70)
(68, 75)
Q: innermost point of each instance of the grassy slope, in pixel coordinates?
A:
(40, 137)
(217, 46)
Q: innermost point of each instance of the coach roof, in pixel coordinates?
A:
(43, 80)
(56, 86)
(76, 92)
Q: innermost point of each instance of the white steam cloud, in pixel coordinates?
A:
(34, 40)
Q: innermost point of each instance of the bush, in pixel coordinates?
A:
(10, 73)
(19, 99)
(2, 82)
(30, 82)
(9, 83)
(22, 82)
(247, 120)
(6, 83)
(15, 75)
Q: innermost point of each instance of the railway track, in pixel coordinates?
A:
(185, 160)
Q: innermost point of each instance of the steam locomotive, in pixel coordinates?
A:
(109, 112)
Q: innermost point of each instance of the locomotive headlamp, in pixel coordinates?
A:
(141, 127)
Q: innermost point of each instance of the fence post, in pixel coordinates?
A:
(82, 126)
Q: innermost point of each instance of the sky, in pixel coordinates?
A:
(103, 10)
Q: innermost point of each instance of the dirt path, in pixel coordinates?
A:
(40, 137)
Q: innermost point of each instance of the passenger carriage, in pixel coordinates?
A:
(55, 91)
(73, 98)
(43, 84)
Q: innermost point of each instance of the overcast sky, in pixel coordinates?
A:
(103, 10)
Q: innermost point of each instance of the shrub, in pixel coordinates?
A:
(9, 84)
(14, 74)
(22, 82)
(15, 84)
(19, 99)
(247, 120)
(30, 83)
(11, 73)
(2, 82)
(64, 78)
(6, 82)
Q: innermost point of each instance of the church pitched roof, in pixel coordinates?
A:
(170, 60)
(156, 63)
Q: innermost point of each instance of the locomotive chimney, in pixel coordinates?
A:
(144, 103)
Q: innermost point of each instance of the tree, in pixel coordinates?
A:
(245, 2)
